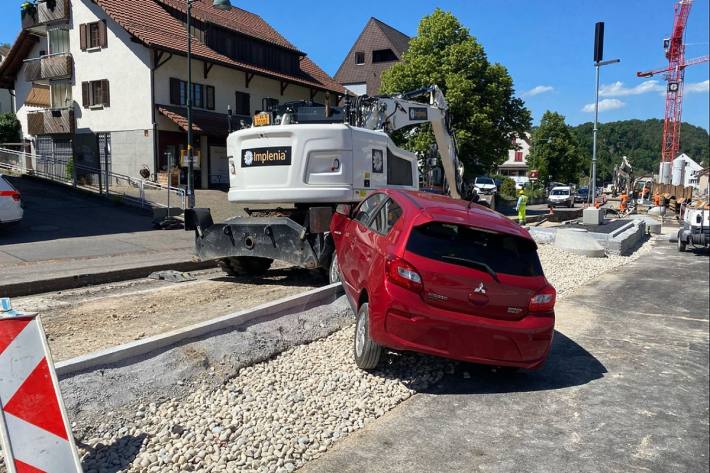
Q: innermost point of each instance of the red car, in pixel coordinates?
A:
(435, 275)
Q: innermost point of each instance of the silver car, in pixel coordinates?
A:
(10, 202)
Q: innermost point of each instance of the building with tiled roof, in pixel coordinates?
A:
(6, 104)
(105, 81)
(377, 48)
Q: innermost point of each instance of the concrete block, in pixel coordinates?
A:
(578, 241)
(592, 216)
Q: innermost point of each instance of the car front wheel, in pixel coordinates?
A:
(367, 352)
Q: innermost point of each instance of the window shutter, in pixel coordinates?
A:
(106, 98)
(85, 95)
(174, 91)
(103, 41)
(82, 36)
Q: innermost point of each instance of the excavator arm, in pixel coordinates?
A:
(400, 111)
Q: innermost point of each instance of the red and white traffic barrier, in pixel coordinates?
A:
(34, 429)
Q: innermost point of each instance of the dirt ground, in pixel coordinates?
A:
(84, 320)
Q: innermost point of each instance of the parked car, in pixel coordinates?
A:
(485, 185)
(561, 196)
(10, 203)
(426, 273)
(582, 195)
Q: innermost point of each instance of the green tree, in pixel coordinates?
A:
(10, 128)
(554, 151)
(485, 114)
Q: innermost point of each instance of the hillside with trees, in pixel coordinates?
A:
(640, 141)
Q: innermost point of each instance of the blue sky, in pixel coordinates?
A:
(545, 44)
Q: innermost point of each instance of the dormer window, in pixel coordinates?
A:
(359, 57)
(383, 55)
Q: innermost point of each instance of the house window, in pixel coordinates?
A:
(92, 35)
(359, 57)
(203, 96)
(519, 156)
(243, 104)
(95, 93)
(198, 95)
(60, 94)
(383, 55)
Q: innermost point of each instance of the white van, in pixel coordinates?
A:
(561, 196)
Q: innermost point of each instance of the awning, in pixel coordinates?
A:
(38, 96)
(211, 124)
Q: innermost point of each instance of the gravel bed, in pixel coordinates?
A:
(566, 271)
(272, 417)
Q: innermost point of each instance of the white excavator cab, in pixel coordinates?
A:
(315, 163)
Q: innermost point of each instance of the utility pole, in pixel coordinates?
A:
(598, 56)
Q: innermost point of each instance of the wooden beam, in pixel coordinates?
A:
(159, 61)
(284, 84)
(313, 93)
(207, 67)
(248, 76)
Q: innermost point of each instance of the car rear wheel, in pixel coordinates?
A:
(334, 271)
(245, 265)
(367, 352)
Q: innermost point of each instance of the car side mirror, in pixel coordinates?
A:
(344, 209)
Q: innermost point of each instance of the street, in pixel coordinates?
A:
(625, 389)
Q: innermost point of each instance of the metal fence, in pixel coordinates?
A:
(62, 169)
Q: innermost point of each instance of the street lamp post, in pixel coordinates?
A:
(220, 5)
(598, 55)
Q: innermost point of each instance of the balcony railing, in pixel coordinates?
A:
(45, 12)
(53, 66)
(51, 122)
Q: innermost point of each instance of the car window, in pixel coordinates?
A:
(366, 209)
(560, 192)
(503, 253)
(386, 217)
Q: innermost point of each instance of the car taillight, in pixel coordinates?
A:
(544, 300)
(14, 194)
(403, 274)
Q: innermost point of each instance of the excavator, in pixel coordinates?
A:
(313, 157)
(623, 177)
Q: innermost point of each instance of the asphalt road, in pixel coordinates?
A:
(66, 232)
(625, 389)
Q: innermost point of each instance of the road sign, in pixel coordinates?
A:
(34, 429)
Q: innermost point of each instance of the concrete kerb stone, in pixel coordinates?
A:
(268, 311)
(622, 241)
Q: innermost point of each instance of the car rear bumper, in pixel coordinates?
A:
(416, 326)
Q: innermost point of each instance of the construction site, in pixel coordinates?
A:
(339, 301)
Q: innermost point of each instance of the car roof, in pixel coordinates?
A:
(444, 208)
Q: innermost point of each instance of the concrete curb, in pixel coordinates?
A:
(63, 283)
(281, 307)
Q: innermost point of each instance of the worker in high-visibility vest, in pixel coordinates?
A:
(624, 201)
(521, 206)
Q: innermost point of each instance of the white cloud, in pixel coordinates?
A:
(540, 89)
(617, 89)
(604, 105)
(697, 87)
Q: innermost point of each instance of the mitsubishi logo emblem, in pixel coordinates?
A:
(481, 289)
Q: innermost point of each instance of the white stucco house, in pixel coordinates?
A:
(516, 166)
(104, 82)
(6, 103)
(685, 171)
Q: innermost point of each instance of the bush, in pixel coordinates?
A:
(10, 128)
(507, 188)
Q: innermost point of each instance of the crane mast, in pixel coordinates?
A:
(674, 75)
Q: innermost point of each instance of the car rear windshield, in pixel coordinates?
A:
(472, 247)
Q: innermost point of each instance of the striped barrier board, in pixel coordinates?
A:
(34, 429)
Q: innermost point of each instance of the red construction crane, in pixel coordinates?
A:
(674, 73)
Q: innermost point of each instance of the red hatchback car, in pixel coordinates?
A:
(431, 274)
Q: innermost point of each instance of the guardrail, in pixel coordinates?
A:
(138, 192)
